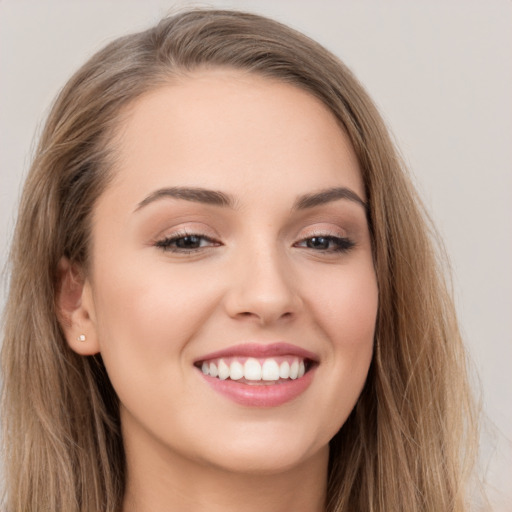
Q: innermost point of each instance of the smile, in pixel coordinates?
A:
(256, 375)
(251, 370)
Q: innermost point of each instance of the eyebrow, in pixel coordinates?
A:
(218, 198)
(327, 196)
(194, 194)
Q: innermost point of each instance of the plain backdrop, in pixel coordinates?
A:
(441, 74)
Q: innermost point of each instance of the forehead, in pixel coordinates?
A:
(234, 130)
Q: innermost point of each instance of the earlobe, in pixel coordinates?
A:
(75, 309)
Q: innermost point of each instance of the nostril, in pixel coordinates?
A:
(264, 317)
(266, 306)
(246, 314)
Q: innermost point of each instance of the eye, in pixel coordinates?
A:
(186, 243)
(326, 243)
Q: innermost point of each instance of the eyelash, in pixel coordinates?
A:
(342, 244)
(169, 244)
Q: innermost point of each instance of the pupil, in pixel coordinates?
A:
(188, 242)
(318, 242)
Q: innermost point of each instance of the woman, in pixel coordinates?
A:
(228, 292)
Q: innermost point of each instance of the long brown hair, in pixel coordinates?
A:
(409, 442)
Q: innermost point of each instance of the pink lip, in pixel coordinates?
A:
(261, 395)
(258, 350)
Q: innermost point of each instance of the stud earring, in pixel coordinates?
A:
(82, 337)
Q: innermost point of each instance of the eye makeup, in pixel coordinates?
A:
(186, 242)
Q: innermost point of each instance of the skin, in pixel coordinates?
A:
(153, 312)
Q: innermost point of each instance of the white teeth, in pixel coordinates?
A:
(270, 370)
(302, 369)
(223, 370)
(252, 369)
(236, 370)
(213, 370)
(284, 370)
(294, 369)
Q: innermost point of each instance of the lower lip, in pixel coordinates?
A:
(261, 395)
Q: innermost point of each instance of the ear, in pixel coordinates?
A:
(75, 309)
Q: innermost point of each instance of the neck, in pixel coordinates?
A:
(166, 482)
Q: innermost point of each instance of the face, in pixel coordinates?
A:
(232, 292)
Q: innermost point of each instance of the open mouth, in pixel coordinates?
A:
(256, 371)
(259, 374)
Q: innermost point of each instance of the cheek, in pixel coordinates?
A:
(146, 317)
(352, 328)
(149, 311)
(345, 303)
(345, 307)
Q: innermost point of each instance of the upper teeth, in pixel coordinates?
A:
(255, 370)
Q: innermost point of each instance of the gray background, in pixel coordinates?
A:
(441, 73)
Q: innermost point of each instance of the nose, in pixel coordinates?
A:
(263, 289)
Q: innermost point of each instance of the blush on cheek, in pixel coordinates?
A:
(351, 316)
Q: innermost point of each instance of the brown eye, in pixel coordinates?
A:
(318, 242)
(326, 243)
(186, 243)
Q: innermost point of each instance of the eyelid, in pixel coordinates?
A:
(322, 229)
(186, 229)
(170, 240)
(335, 245)
(165, 244)
(338, 237)
(177, 235)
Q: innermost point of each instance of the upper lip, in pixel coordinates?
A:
(258, 350)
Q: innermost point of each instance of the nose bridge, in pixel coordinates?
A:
(262, 287)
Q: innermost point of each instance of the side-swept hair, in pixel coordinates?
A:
(407, 445)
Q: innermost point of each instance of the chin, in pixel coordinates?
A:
(265, 464)
(259, 454)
